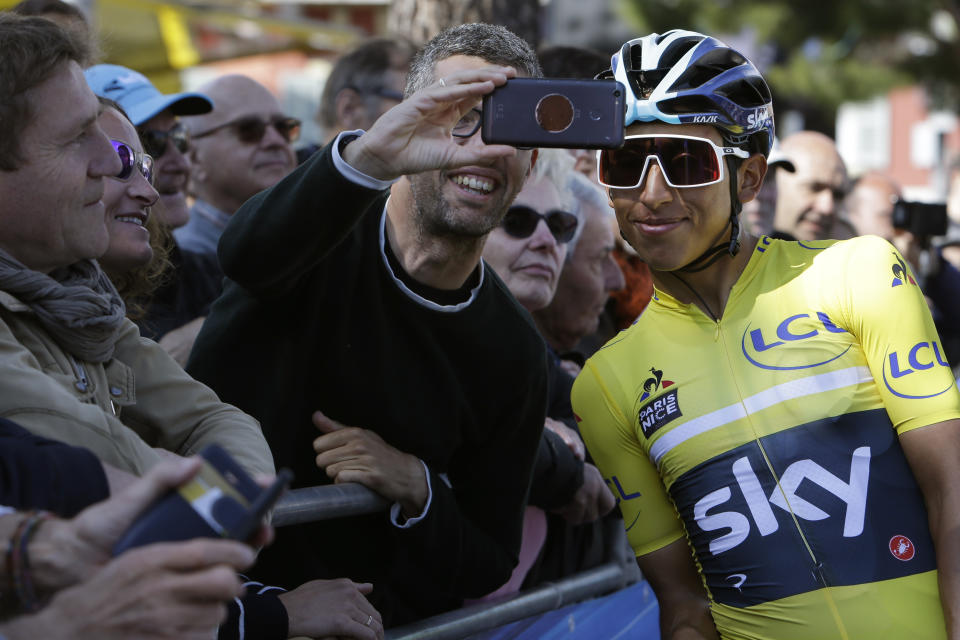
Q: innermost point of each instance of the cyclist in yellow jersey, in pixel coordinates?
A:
(780, 426)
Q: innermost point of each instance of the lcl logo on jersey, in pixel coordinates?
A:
(852, 492)
(765, 347)
(661, 411)
(901, 371)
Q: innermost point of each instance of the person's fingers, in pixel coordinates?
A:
(105, 522)
(325, 424)
(192, 555)
(217, 583)
(364, 587)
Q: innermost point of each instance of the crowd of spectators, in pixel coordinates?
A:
(403, 307)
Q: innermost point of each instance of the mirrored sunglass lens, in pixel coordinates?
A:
(622, 167)
(146, 168)
(689, 162)
(126, 159)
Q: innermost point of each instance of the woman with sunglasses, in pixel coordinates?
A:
(781, 408)
(136, 256)
(527, 252)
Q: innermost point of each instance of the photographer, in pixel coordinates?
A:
(871, 208)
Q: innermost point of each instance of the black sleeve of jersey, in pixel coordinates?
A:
(37, 473)
(281, 233)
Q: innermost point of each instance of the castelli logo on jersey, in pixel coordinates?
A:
(902, 548)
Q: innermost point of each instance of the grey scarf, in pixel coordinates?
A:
(77, 305)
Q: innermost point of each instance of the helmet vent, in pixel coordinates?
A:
(709, 66)
(746, 92)
(677, 49)
(687, 104)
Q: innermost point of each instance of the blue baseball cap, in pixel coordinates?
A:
(137, 95)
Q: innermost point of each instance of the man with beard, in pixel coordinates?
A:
(366, 335)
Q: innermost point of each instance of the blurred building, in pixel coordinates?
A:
(900, 135)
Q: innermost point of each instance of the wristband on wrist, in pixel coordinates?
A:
(18, 560)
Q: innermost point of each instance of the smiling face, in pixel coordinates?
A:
(171, 172)
(530, 267)
(127, 203)
(669, 227)
(468, 201)
(52, 212)
(808, 199)
(227, 171)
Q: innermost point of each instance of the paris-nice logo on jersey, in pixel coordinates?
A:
(661, 411)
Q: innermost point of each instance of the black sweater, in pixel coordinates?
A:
(311, 318)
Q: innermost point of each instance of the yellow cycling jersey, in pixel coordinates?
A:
(768, 438)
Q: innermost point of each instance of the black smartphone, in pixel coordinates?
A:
(221, 501)
(555, 112)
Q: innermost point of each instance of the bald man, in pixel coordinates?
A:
(870, 205)
(240, 148)
(808, 199)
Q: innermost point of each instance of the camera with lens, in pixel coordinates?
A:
(922, 219)
(555, 112)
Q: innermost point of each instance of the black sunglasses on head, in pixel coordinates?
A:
(521, 221)
(155, 141)
(251, 129)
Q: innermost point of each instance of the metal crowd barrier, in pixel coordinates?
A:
(312, 504)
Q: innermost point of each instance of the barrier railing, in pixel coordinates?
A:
(311, 504)
(326, 502)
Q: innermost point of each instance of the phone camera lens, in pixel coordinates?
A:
(616, 94)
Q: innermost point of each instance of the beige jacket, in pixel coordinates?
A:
(121, 409)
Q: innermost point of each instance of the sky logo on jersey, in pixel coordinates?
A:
(901, 371)
(769, 347)
(900, 273)
(812, 506)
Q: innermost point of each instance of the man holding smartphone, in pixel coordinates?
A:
(378, 312)
(783, 409)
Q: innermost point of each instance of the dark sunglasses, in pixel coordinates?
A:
(251, 129)
(684, 161)
(520, 222)
(132, 159)
(155, 141)
(470, 123)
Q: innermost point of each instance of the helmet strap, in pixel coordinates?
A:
(732, 247)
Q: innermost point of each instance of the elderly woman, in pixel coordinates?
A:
(527, 251)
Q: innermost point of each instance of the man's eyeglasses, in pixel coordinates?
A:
(251, 129)
(132, 160)
(470, 123)
(521, 221)
(155, 141)
(684, 161)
